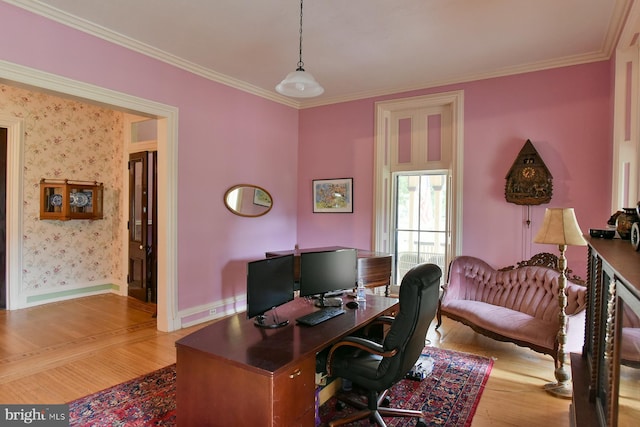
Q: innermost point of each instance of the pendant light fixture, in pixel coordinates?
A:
(299, 83)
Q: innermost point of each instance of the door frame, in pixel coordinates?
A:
(13, 246)
(167, 116)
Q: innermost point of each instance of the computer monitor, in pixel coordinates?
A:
(328, 272)
(269, 285)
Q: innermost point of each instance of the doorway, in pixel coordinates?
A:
(3, 218)
(167, 164)
(143, 226)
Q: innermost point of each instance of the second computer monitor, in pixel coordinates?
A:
(328, 271)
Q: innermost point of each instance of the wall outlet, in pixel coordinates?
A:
(212, 311)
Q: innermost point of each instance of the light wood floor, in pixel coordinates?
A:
(62, 351)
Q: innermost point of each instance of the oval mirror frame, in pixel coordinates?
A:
(248, 200)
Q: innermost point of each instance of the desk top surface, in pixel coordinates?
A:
(237, 340)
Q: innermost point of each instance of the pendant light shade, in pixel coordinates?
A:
(299, 83)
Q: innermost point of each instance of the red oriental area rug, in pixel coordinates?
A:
(449, 396)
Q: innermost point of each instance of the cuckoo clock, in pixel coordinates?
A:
(529, 182)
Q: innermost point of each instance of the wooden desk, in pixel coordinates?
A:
(232, 373)
(374, 268)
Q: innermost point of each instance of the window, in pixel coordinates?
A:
(418, 182)
(420, 229)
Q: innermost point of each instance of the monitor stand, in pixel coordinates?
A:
(334, 294)
(270, 320)
(329, 302)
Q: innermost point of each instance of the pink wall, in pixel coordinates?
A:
(336, 141)
(565, 112)
(226, 137)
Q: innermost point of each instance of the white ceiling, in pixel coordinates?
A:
(354, 48)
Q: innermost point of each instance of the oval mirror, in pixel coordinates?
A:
(248, 200)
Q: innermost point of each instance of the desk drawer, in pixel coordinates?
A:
(294, 395)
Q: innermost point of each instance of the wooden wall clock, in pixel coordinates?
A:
(529, 181)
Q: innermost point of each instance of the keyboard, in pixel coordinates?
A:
(320, 316)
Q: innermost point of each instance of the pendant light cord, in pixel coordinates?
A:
(299, 83)
(300, 63)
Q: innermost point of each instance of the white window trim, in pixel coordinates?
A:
(383, 180)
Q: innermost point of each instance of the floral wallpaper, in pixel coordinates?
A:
(67, 139)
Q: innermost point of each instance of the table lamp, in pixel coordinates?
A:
(561, 228)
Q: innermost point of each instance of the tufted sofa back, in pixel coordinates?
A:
(530, 289)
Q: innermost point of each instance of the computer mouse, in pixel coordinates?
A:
(352, 304)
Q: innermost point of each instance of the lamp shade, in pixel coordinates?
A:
(560, 227)
(299, 84)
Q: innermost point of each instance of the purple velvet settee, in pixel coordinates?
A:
(517, 305)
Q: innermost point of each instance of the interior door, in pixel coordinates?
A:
(141, 278)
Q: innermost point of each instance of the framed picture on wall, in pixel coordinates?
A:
(333, 195)
(261, 198)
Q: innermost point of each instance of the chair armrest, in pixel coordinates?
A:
(385, 320)
(362, 344)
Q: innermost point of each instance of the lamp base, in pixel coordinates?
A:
(562, 390)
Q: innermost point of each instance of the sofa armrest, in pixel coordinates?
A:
(575, 332)
(576, 298)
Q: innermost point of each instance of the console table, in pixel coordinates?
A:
(232, 373)
(606, 385)
(374, 268)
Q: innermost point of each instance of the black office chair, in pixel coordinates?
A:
(375, 367)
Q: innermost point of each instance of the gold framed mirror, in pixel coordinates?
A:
(248, 200)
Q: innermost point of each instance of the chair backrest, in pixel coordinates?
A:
(419, 293)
